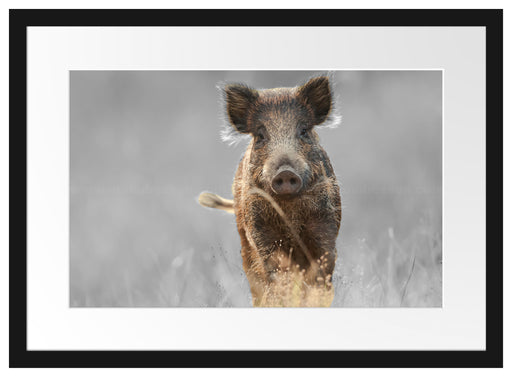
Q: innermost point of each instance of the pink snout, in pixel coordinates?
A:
(286, 182)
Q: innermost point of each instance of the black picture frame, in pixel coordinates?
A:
(492, 20)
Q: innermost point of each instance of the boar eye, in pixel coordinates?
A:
(260, 136)
(304, 132)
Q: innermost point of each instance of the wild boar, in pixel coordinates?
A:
(286, 198)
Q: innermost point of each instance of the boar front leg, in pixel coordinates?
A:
(319, 236)
(255, 262)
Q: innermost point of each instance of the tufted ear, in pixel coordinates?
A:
(317, 94)
(239, 102)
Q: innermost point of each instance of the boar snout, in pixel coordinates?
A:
(286, 181)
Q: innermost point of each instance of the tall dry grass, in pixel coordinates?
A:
(393, 272)
(292, 287)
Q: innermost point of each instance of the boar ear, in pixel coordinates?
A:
(239, 101)
(317, 94)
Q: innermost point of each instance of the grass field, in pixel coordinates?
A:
(388, 271)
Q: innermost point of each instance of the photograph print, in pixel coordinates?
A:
(256, 188)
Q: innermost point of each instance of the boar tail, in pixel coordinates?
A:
(207, 199)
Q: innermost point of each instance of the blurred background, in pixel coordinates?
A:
(144, 144)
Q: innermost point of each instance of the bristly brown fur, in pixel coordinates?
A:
(300, 228)
(232, 136)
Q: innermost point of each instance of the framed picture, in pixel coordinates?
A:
(353, 189)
